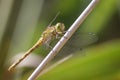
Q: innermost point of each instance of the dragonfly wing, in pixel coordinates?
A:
(83, 39)
(76, 42)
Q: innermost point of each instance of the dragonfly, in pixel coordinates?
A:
(51, 33)
(54, 32)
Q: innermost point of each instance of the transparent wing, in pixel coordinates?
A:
(78, 41)
(82, 40)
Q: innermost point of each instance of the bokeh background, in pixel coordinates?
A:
(23, 21)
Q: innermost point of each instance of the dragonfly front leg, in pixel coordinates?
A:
(58, 36)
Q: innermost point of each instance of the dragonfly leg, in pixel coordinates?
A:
(58, 36)
(47, 44)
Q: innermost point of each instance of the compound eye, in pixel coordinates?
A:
(58, 25)
(60, 28)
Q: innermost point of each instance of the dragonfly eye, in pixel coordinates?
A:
(60, 28)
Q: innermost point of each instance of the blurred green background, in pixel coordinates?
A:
(23, 21)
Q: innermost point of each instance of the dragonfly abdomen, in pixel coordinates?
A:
(39, 42)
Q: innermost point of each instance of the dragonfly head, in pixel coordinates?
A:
(60, 28)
